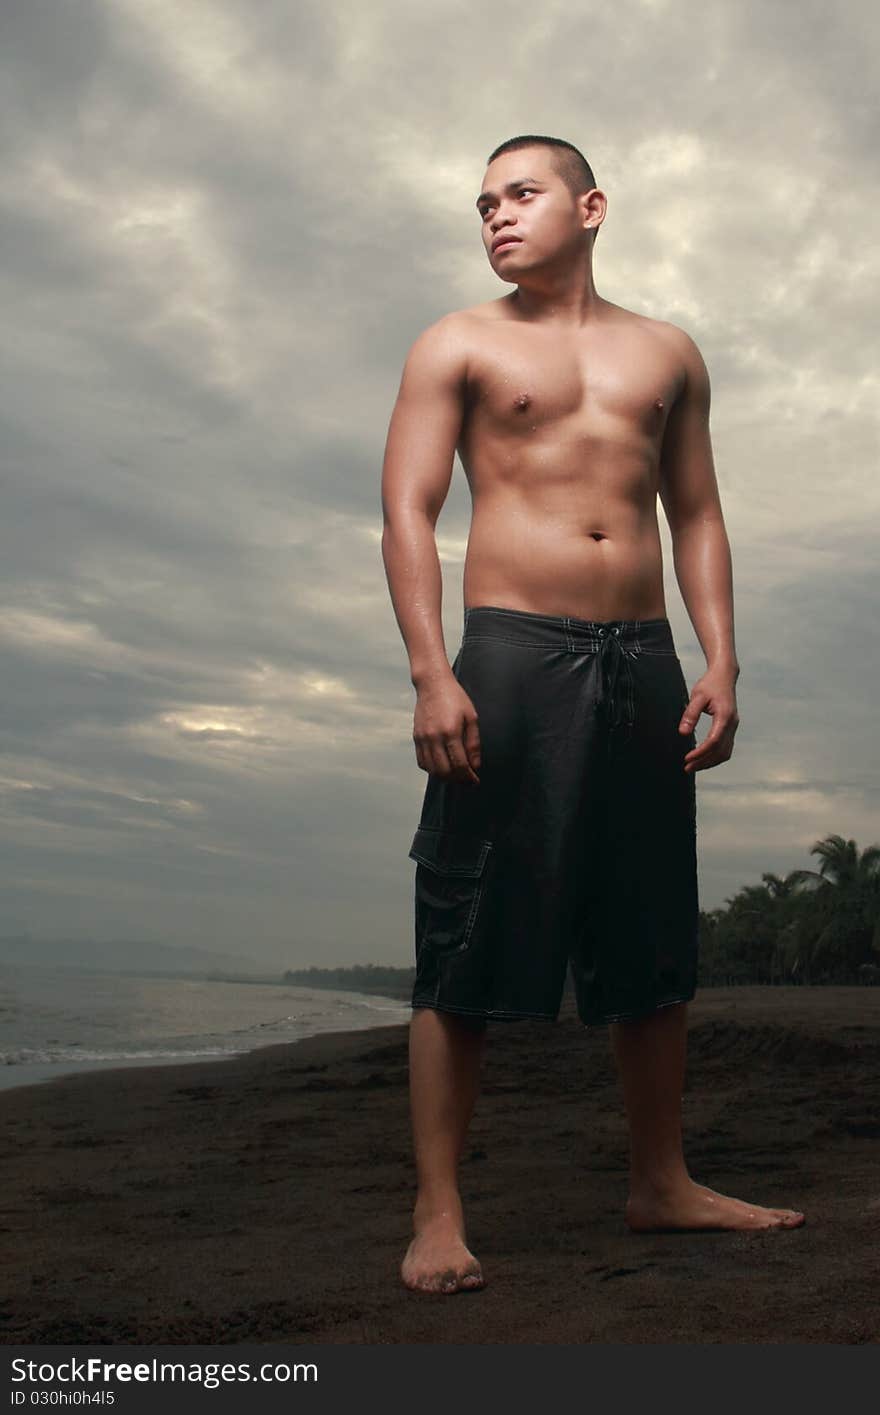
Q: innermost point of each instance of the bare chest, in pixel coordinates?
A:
(523, 386)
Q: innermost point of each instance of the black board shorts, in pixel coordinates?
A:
(579, 844)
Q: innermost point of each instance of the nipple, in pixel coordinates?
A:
(521, 402)
(658, 402)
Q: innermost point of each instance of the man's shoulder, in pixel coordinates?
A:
(675, 338)
(675, 343)
(485, 310)
(465, 322)
(451, 338)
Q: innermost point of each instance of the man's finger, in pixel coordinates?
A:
(461, 766)
(472, 743)
(437, 757)
(692, 713)
(715, 747)
(703, 748)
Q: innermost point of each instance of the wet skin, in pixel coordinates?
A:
(572, 417)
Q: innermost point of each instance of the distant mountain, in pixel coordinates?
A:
(127, 956)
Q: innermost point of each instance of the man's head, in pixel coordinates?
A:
(542, 191)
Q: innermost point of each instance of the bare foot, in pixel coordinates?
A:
(437, 1259)
(691, 1205)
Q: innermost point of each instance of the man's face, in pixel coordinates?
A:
(527, 213)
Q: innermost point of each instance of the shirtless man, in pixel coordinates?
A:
(570, 415)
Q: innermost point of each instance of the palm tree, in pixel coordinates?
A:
(842, 931)
(842, 864)
(780, 888)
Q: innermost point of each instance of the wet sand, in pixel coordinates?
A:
(268, 1197)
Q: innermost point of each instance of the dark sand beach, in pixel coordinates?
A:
(268, 1198)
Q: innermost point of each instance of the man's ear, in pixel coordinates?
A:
(593, 205)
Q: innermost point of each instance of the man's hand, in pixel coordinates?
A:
(445, 731)
(714, 693)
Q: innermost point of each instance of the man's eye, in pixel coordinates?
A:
(525, 189)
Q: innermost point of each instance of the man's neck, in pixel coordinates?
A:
(568, 303)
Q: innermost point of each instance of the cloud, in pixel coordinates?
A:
(224, 226)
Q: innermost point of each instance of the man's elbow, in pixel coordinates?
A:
(404, 522)
(691, 507)
(696, 521)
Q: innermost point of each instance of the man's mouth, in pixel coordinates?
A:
(507, 241)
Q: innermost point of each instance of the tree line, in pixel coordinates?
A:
(809, 926)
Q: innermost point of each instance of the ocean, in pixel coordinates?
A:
(54, 1022)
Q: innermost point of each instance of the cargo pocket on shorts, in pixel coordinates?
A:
(450, 879)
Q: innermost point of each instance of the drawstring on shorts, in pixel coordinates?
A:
(617, 694)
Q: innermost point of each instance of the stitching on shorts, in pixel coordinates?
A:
(485, 849)
(483, 1011)
(470, 923)
(641, 1012)
(558, 619)
(472, 916)
(517, 643)
(588, 646)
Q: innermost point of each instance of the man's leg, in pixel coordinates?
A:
(650, 1054)
(445, 1052)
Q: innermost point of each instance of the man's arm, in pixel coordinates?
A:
(417, 471)
(701, 554)
(689, 493)
(419, 453)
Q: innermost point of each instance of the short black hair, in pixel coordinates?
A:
(568, 161)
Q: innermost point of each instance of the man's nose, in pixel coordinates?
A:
(498, 221)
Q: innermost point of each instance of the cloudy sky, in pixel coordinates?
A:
(224, 223)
